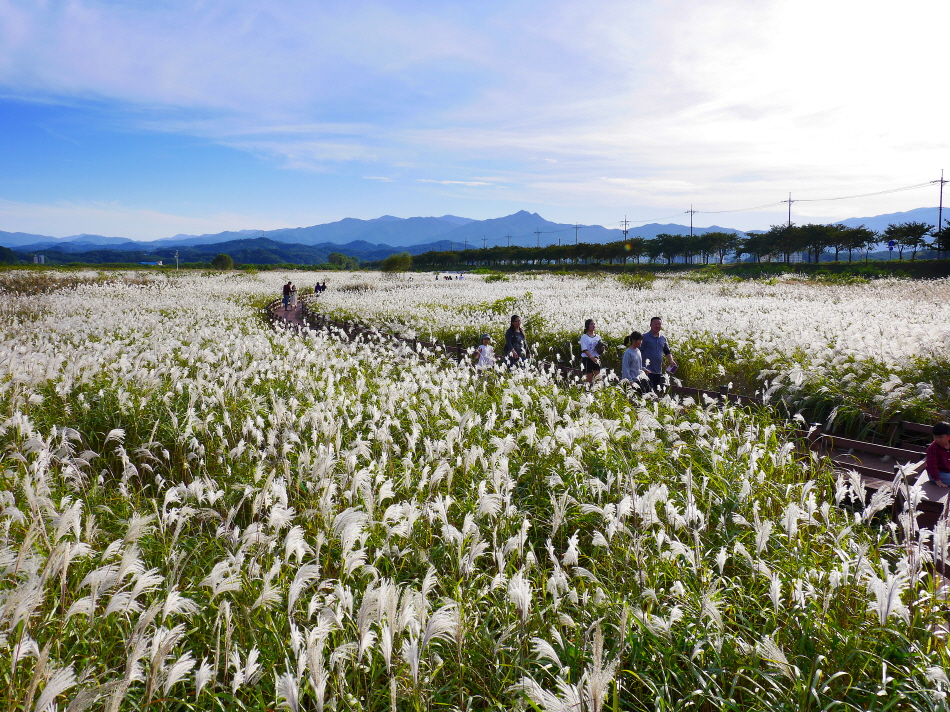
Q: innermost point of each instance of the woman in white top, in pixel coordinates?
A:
(293, 296)
(486, 353)
(590, 355)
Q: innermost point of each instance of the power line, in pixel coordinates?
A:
(665, 217)
(868, 195)
(741, 210)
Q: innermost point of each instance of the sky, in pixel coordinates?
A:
(144, 120)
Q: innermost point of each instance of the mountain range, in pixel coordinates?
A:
(368, 239)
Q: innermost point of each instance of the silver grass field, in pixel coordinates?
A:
(199, 511)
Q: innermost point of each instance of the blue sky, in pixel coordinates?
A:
(146, 119)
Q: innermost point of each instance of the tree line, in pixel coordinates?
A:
(778, 243)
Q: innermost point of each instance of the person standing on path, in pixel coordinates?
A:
(590, 351)
(286, 295)
(293, 296)
(516, 344)
(632, 368)
(653, 350)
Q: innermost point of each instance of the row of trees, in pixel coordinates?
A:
(780, 242)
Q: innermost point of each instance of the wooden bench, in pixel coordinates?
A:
(908, 434)
(879, 467)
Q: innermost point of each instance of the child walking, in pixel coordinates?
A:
(486, 353)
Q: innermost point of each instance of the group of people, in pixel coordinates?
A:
(643, 360)
(290, 293)
(642, 365)
(516, 348)
(290, 296)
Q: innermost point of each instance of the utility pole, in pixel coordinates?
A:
(466, 242)
(625, 228)
(576, 228)
(691, 213)
(509, 239)
(484, 242)
(176, 260)
(940, 216)
(789, 201)
(538, 233)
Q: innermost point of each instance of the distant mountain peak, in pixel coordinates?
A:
(456, 219)
(386, 218)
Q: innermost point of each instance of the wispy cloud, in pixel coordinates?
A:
(453, 182)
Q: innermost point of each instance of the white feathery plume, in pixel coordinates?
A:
(442, 625)
(887, 597)
(316, 664)
(175, 603)
(543, 650)
(203, 676)
(295, 544)
(60, 681)
(519, 593)
(570, 557)
(775, 592)
(288, 692)
(305, 576)
(769, 651)
(177, 672)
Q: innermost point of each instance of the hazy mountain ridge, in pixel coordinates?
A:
(379, 237)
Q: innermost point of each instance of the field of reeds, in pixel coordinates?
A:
(849, 355)
(200, 511)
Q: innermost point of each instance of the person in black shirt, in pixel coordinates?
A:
(516, 345)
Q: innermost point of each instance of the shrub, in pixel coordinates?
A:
(709, 273)
(400, 262)
(826, 277)
(358, 287)
(496, 278)
(636, 280)
(223, 261)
